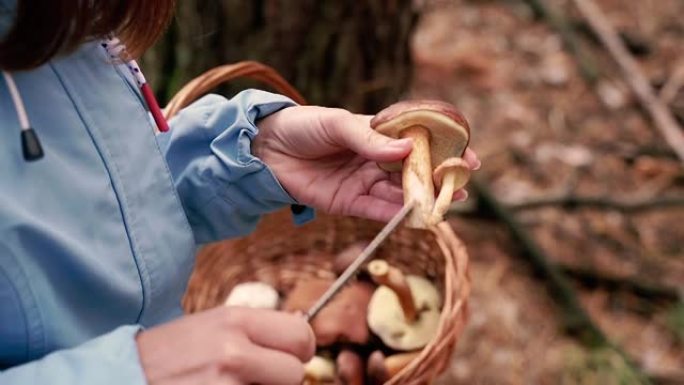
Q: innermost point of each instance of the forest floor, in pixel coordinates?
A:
(543, 131)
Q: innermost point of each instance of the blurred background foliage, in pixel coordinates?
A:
(352, 54)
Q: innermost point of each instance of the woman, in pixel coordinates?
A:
(100, 217)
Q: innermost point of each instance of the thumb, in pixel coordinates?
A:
(358, 136)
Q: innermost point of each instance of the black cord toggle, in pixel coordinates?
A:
(30, 144)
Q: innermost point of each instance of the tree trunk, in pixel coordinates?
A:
(351, 54)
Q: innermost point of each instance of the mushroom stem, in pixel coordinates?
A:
(443, 200)
(380, 369)
(384, 274)
(451, 175)
(395, 363)
(417, 177)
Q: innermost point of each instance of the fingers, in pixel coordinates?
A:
(267, 366)
(460, 195)
(354, 132)
(471, 158)
(277, 330)
(370, 207)
(388, 191)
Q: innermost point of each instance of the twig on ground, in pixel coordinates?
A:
(572, 202)
(675, 83)
(661, 115)
(594, 277)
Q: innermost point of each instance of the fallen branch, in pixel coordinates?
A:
(573, 202)
(587, 65)
(673, 85)
(592, 277)
(576, 320)
(660, 114)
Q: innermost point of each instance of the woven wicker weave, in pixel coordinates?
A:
(280, 253)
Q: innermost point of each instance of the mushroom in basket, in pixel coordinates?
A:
(319, 371)
(254, 295)
(343, 319)
(405, 310)
(380, 368)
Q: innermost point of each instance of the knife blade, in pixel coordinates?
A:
(359, 261)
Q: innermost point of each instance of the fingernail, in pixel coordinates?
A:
(477, 165)
(401, 144)
(463, 197)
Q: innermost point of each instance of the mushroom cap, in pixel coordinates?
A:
(449, 131)
(254, 295)
(386, 317)
(376, 371)
(343, 319)
(319, 370)
(459, 165)
(396, 363)
(350, 368)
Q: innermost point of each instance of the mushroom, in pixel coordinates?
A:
(391, 277)
(347, 256)
(449, 176)
(380, 368)
(376, 371)
(343, 319)
(254, 295)
(439, 132)
(319, 371)
(349, 368)
(405, 310)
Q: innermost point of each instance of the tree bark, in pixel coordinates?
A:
(351, 54)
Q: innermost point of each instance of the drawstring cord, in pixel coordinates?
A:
(30, 144)
(116, 50)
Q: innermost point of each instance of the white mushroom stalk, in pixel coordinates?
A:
(417, 174)
(449, 177)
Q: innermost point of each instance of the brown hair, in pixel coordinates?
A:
(45, 28)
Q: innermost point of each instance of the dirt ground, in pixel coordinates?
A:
(542, 131)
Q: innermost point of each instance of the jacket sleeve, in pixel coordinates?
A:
(109, 359)
(224, 189)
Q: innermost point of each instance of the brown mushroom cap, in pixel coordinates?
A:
(376, 371)
(449, 131)
(452, 164)
(350, 370)
(343, 319)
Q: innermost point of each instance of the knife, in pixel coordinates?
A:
(359, 261)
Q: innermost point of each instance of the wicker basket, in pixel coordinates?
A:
(280, 253)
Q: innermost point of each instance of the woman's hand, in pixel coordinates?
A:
(228, 346)
(326, 158)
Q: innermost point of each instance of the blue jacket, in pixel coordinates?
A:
(97, 239)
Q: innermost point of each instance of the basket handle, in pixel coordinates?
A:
(210, 79)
